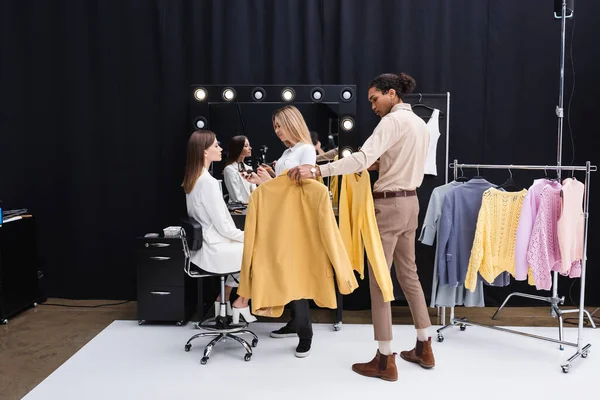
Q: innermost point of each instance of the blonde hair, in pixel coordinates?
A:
(197, 145)
(290, 118)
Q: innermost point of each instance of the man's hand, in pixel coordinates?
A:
(302, 172)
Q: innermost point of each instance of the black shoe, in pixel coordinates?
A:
(284, 332)
(303, 349)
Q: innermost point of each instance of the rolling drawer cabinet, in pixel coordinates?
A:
(18, 267)
(165, 293)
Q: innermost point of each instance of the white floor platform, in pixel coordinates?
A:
(127, 361)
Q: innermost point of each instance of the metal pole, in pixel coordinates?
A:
(560, 112)
(586, 208)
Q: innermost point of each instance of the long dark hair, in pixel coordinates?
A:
(402, 83)
(199, 141)
(236, 145)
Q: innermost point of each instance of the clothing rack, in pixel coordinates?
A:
(582, 350)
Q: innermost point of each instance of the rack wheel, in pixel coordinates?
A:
(440, 337)
(463, 328)
(248, 357)
(204, 360)
(337, 326)
(188, 347)
(179, 323)
(141, 322)
(3, 322)
(566, 368)
(584, 354)
(254, 342)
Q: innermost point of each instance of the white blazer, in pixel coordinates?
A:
(239, 189)
(222, 242)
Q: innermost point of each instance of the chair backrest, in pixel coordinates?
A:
(193, 232)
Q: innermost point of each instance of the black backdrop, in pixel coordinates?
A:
(94, 100)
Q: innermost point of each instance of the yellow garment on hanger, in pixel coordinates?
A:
(291, 242)
(359, 230)
(493, 250)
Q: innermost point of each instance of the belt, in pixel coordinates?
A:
(399, 193)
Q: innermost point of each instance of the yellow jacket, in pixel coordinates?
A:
(358, 224)
(291, 241)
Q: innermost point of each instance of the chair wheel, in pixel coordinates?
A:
(440, 338)
(179, 323)
(248, 357)
(188, 347)
(204, 360)
(584, 355)
(565, 368)
(254, 342)
(463, 328)
(3, 321)
(141, 322)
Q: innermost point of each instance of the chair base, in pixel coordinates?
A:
(220, 332)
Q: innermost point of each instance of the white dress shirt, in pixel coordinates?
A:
(299, 154)
(239, 189)
(400, 142)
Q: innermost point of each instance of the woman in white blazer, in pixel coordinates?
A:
(222, 242)
(238, 188)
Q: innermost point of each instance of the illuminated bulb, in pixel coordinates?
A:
(200, 124)
(317, 95)
(346, 152)
(200, 94)
(228, 94)
(287, 95)
(347, 124)
(258, 95)
(347, 95)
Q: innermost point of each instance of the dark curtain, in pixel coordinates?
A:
(95, 113)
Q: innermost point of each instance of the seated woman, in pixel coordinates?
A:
(239, 189)
(222, 242)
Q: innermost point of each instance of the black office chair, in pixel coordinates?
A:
(220, 326)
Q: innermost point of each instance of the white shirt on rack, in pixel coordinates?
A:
(299, 154)
(433, 125)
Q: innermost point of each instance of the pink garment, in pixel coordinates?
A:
(543, 254)
(529, 212)
(570, 228)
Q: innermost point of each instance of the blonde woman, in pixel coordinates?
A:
(291, 129)
(222, 242)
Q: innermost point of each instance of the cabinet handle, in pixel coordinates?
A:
(161, 293)
(157, 244)
(160, 258)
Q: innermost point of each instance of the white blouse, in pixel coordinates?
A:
(300, 154)
(239, 189)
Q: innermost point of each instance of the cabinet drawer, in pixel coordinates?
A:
(161, 303)
(160, 270)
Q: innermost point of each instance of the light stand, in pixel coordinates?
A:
(555, 301)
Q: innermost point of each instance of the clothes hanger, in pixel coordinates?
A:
(510, 183)
(478, 176)
(420, 104)
(461, 177)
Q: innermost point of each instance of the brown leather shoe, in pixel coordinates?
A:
(422, 354)
(381, 366)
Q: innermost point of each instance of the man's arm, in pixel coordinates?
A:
(380, 140)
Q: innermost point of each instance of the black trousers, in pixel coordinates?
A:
(301, 319)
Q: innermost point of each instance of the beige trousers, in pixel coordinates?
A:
(397, 219)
